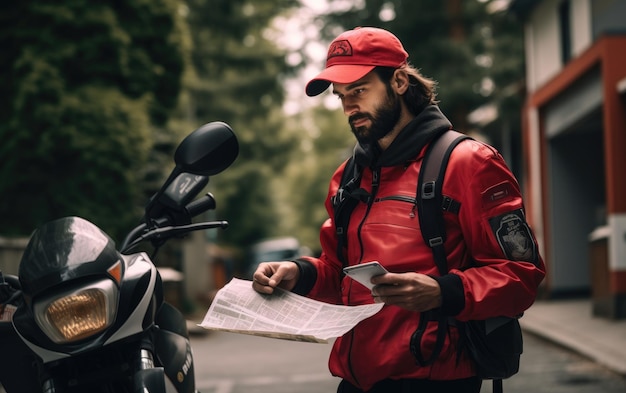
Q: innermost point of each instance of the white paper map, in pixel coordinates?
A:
(284, 315)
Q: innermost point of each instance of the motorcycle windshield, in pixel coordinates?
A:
(65, 249)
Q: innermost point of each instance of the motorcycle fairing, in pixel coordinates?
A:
(63, 250)
(136, 268)
(173, 349)
(137, 298)
(150, 380)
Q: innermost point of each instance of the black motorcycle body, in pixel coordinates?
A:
(85, 316)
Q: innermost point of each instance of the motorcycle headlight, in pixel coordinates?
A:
(77, 313)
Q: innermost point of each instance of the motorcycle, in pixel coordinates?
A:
(85, 316)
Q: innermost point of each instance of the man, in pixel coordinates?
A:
(392, 111)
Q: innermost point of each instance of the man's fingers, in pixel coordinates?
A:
(266, 289)
(270, 275)
(267, 277)
(263, 284)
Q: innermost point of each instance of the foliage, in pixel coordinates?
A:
(475, 55)
(238, 74)
(96, 94)
(326, 141)
(82, 84)
(505, 46)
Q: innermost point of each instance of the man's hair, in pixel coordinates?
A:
(421, 91)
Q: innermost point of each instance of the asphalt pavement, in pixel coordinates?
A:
(571, 324)
(235, 363)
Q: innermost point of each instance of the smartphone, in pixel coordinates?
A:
(363, 273)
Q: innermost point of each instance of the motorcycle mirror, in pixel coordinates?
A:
(208, 150)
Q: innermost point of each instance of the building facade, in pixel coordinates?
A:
(574, 137)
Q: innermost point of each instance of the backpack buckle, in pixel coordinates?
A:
(338, 198)
(435, 241)
(428, 190)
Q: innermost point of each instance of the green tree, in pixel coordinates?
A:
(237, 78)
(441, 38)
(326, 141)
(473, 52)
(84, 85)
(504, 51)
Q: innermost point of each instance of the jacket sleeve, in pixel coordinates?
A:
(502, 269)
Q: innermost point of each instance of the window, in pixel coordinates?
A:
(565, 30)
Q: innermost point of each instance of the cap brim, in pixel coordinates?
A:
(341, 73)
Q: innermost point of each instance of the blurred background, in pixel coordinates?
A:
(95, 96)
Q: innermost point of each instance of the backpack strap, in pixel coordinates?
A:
(430, 205)
(346, 199)
(430, 200)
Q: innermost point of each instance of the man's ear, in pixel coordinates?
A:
(400, 81)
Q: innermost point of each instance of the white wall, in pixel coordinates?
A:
(543, 41)
(542, 44)
(581, 26)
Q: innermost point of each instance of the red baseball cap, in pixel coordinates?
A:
(356, 52)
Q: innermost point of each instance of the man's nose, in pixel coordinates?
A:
(349, 107)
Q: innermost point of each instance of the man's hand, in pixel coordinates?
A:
(411, 291)
(270, 275)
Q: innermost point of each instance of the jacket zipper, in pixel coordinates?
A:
(400, 198)
(370, 201)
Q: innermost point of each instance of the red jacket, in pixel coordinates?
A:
(493, 261)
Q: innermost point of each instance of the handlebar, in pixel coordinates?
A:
(173, 231)
(200, 205)
(167, 232)
(174, 224)
(9, 286)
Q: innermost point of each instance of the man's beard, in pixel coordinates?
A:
(382, 122)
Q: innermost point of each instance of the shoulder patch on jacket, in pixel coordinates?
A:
(498, 194)
(514, 236)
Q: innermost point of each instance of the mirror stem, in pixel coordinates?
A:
(153, 201)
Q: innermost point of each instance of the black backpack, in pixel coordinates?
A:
(494, 344)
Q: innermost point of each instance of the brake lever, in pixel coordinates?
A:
(174, 231)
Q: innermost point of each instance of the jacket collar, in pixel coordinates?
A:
(408, 144)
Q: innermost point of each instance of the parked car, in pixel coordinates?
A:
(274, 249)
